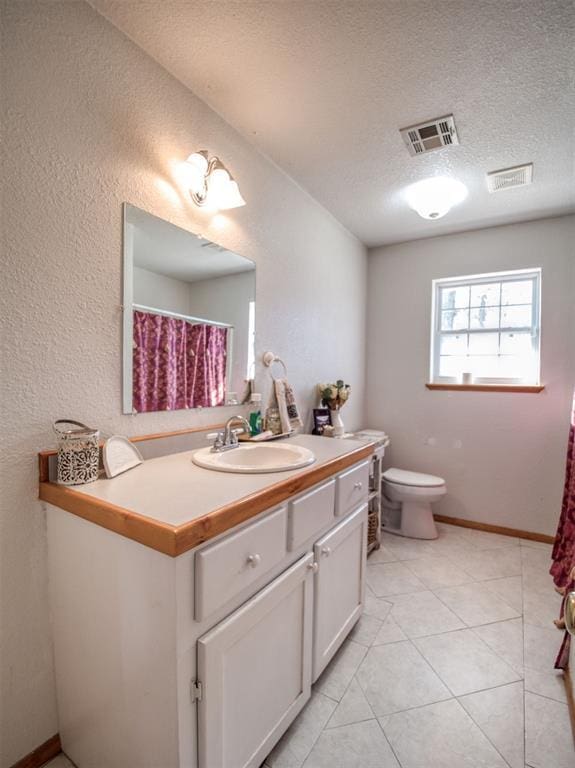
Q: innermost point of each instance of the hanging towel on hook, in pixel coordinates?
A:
(289, 414)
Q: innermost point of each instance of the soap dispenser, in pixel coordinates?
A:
(256, 414)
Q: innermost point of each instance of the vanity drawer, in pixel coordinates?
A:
(310, 513)
(225, 569)
(352, 488)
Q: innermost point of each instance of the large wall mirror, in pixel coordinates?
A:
(189, 318)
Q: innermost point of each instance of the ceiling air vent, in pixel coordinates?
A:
(508, 178)
(429, 136)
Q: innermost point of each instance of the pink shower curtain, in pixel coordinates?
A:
(563, 568)
(177, 364)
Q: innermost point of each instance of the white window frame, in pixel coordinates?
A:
(491, 277)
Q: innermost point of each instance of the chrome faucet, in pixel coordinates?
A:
(228, 438)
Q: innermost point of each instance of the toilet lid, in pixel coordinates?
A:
(415, 479)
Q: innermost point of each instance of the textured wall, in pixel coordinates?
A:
(502, 454)
(91, 121)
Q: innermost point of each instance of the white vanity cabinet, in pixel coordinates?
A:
(203, 659)
(256, 666)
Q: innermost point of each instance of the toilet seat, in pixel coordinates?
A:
(399, 492)
(413, 479)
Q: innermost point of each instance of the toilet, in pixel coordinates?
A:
(406, 500)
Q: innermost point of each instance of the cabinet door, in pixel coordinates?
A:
(255, 670)
(339, 586)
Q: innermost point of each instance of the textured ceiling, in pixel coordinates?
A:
(322, 87)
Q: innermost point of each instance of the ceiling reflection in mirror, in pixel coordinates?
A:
(189, 318)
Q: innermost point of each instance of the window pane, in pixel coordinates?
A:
(485, 317)
(453, 365)
(511, 367)
(488, 366)
(484, 344)
(453, 344)
(515, 317)
(516, 344)
(454, 319)
(518, 367)
(520, 292)
(455, 298)
(486, 295)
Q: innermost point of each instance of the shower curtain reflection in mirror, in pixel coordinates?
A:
(177, 364)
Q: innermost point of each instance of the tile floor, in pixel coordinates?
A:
(451, 665)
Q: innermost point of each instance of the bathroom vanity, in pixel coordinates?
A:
(192, 610)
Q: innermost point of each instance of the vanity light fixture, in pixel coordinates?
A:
(433, 198)
(211, 183)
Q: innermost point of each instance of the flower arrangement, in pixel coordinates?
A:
(334, 396)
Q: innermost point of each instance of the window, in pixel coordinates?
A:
(487, 325)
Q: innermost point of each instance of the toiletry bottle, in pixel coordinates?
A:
(273, 421)
(256, 414)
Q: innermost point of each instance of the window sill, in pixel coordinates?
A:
(533, 388)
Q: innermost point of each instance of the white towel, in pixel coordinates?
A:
(289, 414)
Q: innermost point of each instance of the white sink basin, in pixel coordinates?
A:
(254, 459)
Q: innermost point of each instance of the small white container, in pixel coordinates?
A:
(467, 377)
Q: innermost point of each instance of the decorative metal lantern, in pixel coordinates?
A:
(78, 452)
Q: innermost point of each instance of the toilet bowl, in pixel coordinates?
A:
(407, 499)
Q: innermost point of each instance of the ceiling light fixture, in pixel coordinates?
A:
(211, 184)
(433, 198)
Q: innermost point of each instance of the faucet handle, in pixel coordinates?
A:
(218, 438)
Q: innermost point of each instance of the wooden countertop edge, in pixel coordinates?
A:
(175, 540)
(151, 533)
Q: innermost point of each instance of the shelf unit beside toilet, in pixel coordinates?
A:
(381, 441)
(374, 500)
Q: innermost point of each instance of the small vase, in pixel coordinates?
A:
(337, 424)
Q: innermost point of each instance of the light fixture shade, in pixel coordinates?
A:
(433, 198)
(197, 166)
(218, 181)
(199, 160)
(211, 184)
(231, 197)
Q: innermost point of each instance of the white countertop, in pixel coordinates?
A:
(173, 490)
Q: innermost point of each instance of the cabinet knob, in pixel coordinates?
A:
(254, 560)
(326, 551)
(314, 567)
(358, 486)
